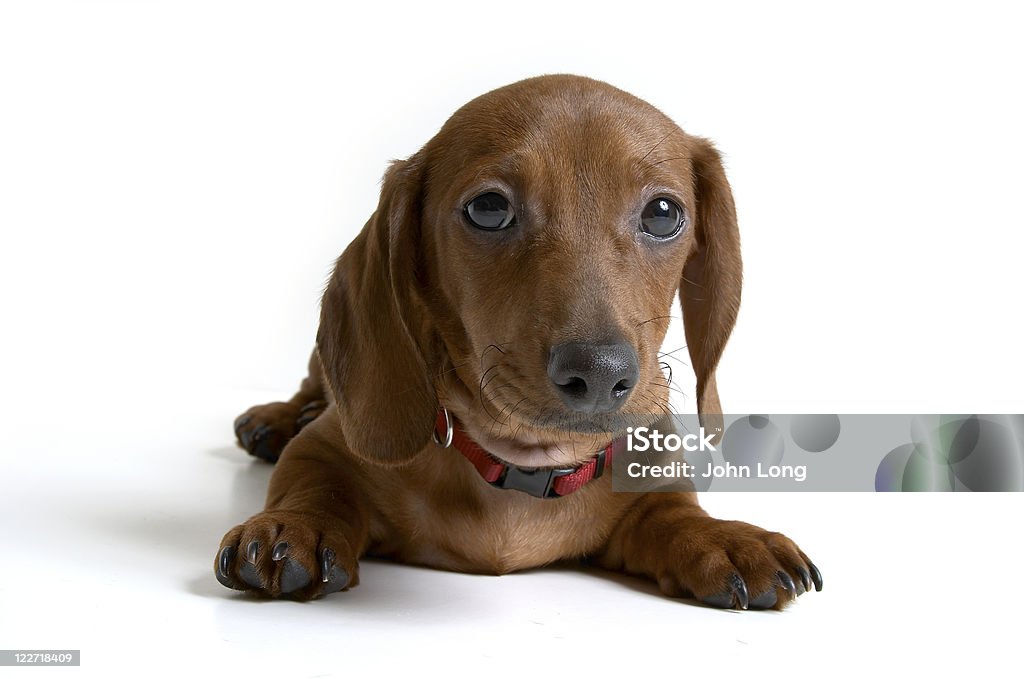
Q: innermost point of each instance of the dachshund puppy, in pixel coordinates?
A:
(489, 332)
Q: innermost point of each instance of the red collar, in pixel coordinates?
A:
(539, 482)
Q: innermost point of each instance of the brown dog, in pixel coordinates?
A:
(510, 295)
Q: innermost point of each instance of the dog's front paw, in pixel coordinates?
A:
(287, 554)
(264, 430)
(731, 564)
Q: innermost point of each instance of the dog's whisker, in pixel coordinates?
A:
(667, 160)
(677, 360)
(512, 410)
(495, 346)
(655, 147)
(655, 318)
(663, 382)
(500, 421)
(673, 389)
(515, 408)
(497, 418)
(455, 367)
(484, 385)
(483, 401)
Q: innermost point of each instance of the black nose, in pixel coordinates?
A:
(593, 378)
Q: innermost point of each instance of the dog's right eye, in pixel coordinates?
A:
(490, 212)
(662, 219)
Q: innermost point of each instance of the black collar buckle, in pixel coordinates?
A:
(541, 482)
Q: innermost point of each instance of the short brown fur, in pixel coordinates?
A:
(423, 311)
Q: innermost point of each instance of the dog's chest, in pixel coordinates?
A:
(446, 517)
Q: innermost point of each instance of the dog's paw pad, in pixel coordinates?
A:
(249, 575)
(337, 580)
(293, 576)
(766, 599)
(736, 596)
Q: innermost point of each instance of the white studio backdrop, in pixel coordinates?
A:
(176, 179)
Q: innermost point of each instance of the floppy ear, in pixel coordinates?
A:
(712, 277)
(373, 337)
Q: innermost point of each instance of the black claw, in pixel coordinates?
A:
(266, 443)
(240, 422)
(260, 433)
(252, 551)
(816, 577)
(787, 582)
(224, 563)
(805, 579)
(765, 599)
(740, 589)
(309, 412)
(736, 595)
(245, 436)
(312, 405)
(227, 555)
(280, 549)
(293, 576)
(258, 441)
(326, 561)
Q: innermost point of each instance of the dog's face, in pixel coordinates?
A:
(535, 246)
(559, 222)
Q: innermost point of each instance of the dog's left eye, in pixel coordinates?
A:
(662, 218)
(490, 211)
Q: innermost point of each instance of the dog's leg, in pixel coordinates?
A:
(307, 541)
(670, 539)
(265, 429)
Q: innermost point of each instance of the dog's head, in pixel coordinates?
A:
(520, 269)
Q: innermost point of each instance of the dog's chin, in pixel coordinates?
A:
(540, 444)
(530, 450)
(545, 437)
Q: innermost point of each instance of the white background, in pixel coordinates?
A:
(176, 179)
